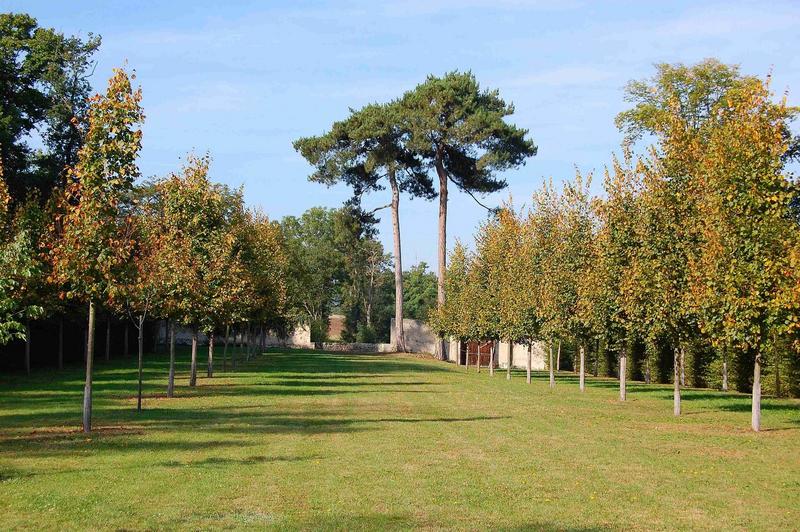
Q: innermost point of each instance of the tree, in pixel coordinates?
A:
(419, 291)
(748, 234)
(362, 151)
(44, 87)
(94, 243)
(458, 129)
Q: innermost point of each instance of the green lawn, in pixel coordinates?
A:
(309, 440)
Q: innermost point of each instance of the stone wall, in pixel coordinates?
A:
(419, 337)
(299, 338)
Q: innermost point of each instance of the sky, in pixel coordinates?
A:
(242, 79)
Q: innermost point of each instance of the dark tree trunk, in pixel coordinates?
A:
(87, 387)
(510, 358)
(193, 371)
(528, 364)
(141, 362)
(61, 343)
(225, 349)
(108, 339)
(28, 347)
(171, 381)
(676, 377)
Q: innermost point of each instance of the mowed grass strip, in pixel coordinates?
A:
(298, 440)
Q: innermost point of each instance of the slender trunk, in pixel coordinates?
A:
(478, 359)
(141, 362)
(756, 416)
(125, 340)
(597, 358)
(777, 373)
(583, 371)
(683, 367)
(528, 364)
(399, 334)
(28, 347)
(171, 382)
(623, 372)
(87, 387)
(724, 371)
(491, 359)
(558, 357)
(108, 339)
(676, 378)
(210, 369)
(647, 370)
(225, 349)
(550, 364)
(193, 371)
(510, 358)
(61, 343)
(442, 240)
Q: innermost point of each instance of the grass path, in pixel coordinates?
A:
(309, 440)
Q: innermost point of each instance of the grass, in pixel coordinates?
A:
(298, 440)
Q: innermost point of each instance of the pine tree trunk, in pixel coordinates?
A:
(550, 364)
(61, 343)
(510, 358)
(399, 334)
(225, 349)
(193, 370)
(210, 372)
(623, 372)
(582, 377)
(141, 362)
(28, 347)
(171, 382)
(87, 387)
(756, 417)
(108, 339)
(558, 357)
(125, 340)
(676, 378)
(528, 364)
(442, 241)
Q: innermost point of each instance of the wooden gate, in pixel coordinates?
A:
(479, 350)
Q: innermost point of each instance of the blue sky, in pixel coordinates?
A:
(242, 80)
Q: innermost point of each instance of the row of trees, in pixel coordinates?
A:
(693, 247)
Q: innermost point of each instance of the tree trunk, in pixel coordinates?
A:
(550, 364)
(125, 340)
(491, 359)
(442, 241)
(777, 373)
(399, 334)
(210, 369)
(756, 417)
(724, 372)
(582, 377)
(108, 339)
(510, 358)
(87, 387)
(28, 346)
(193, 371)
(141, 362)
(478, 359)
(225, 349)
(597, 358)
(528, 364)
(623, 372)
(61, 343)
(676, 378)
(558, 357)
(683, 367)
(171, 382)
